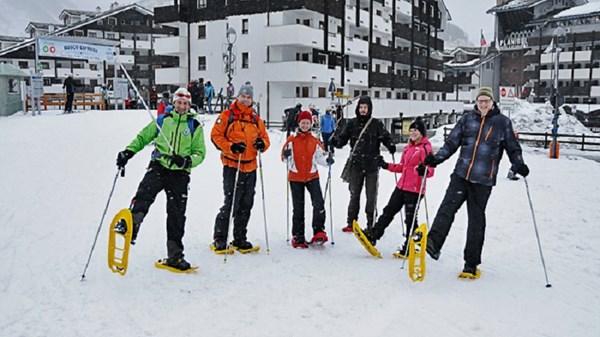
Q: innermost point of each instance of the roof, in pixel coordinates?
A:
(76, 12)
(589, 9)
(12, 38)
(79, 24)
(43, 25)
(515, 5)
(9, 70)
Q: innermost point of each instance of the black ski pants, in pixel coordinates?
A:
(327, 141)
(477, 196)
(69, 103)
(244, 200)
(357, 179)
(399, 199)
(316, 196)
(175, 184)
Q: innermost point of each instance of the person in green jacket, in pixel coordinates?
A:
(178, 148)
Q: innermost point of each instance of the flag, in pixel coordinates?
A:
(550, 47)
(497, 43)
(524, 43)
(483, 41)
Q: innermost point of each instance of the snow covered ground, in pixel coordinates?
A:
(56, 175)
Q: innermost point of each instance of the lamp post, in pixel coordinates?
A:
(556, 97)
(229, 59)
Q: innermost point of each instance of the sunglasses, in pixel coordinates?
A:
(186, 96)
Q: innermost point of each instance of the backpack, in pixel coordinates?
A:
(230, 120)
(192, 123)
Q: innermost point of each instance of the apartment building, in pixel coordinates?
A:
(131, 27)
(296, 51)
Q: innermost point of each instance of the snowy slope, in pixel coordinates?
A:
(56, 175)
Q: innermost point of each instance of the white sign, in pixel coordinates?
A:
(37, 85)
(77, 50)
(507, 94)
(121, 88)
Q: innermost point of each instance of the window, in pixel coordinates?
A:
(13, 85)
(93, 66)
(245, 26)
(92, 34)
(201, 4)
(201, 62)
(99, 22)
(388, 95)
(45, 65)
(305, 91)
(23, 64)
(245, 61)
(376, 94)
(111, 36)
(322, 92)
(112, 21)
(201, 32)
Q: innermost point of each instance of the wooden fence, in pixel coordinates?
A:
(58, 100)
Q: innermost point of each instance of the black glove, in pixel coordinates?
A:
(421, 169)
(430, 160)
(259, 144)
(381, 163)
(181, 161)
(287, 153)
(238, 147)
(391, 148)
(330, 160)
(123, 157)
(523, 170)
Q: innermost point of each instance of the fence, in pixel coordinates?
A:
(544, 139)
(58, 100)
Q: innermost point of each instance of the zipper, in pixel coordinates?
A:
(476, 147)
(488, 134)
(492, 171)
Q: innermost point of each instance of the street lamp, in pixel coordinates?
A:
(229, 59)
(556, 97)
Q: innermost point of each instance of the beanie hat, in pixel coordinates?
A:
(247, 89)
(304, 115)
(486, 91)
(419, 125)
(183, 94)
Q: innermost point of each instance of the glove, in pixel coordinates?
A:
(181, 161)
(392, 148)
(381, 163)
(287, 153)
(523, 170)
(238, 147)
(259, 144)
(123, 157)
(430, 160)
(330, 160)
(421, 169)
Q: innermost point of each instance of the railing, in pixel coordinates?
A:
(543, 139)
(58, 100)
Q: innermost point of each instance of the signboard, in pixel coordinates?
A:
(507, 94)
(121, 88)
(37, 85)
(76, 50)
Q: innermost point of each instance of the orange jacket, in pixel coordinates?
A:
(246, 127)
(307, 152)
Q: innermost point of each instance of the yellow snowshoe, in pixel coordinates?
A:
(119, 241)
(416, 253)
(358, 233)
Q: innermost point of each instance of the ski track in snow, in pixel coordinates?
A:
(57, 177)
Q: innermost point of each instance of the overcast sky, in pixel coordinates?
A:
(15, 15)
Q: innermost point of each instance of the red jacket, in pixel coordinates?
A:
(307, 152)
(412, 156)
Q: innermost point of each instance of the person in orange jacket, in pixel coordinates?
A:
(240, 135)
(303, 152)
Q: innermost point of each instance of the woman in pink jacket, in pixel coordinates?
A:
(407, 190)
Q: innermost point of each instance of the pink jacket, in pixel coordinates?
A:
(412, 156)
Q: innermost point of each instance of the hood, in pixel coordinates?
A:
(364, 100)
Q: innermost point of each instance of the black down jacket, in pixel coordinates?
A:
(482, 141)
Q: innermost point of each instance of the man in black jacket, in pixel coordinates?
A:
(363, 163)
(69, 86)
(482, 135)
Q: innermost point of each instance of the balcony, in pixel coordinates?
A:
(296, 71)
(357, 47)
(126, 44)
(173, 45)
(174, 76)
(298, 35)
(79, 73)
(595, 91)
(143, 45)
(126, 59)
(357, 77)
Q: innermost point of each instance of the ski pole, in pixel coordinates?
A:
(287, 184)
(414, 220)
(537, 235)
(119, 170)
(330, 205)
(233, 203)
(262, 187)
(401, 216)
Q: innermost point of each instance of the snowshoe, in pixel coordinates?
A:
(470, 273)
(220, 247)
(176, 265)
(319, 238)
(401, 252)
(244, 247)
(416, 255)
(364, 241)
(119, 241)
(299, 242)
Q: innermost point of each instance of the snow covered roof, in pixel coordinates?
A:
(515, 5)
(7, 38)
(592, 8)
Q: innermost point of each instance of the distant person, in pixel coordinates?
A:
(153, 97)
(105, 96)
(209, 93)
(145, 95)
(327, 125)
(481, 135)
(291, 115)
(69, 87)
(164, 106)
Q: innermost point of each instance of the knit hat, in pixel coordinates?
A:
(183, 94)
(486, 91)
(304, 115)
(419, 125)
(247, 89)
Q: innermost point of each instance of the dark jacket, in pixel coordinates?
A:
(366, 153)
(481, 141)
(69, 85)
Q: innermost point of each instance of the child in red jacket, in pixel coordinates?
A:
(408, 187)
(164, 104)
(303, 152)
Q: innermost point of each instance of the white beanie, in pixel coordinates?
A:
(182, 93)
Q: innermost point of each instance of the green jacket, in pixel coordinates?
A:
(177, 131)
